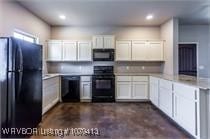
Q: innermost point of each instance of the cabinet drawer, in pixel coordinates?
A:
(124, 78)
(166, 84)
(185, 91)
(85, 78)
(140, 78)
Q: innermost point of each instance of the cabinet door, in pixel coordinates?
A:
(140, 90)
(166, 97)
(124, 90)
(123, 50)
(186, 108)
(156, 52)
(109, 42)
(98, 42)
(69, 50)
(55, 50)
(84, 51)
(154, 91)
(85, 91)
(139, 51)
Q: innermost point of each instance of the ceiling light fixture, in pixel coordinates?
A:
(63, 17)
(149, 17)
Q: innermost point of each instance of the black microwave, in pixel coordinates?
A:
(103, 54)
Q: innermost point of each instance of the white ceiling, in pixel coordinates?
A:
(118, 12)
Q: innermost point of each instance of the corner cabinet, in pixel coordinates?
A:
(103, 42)
(67, 50)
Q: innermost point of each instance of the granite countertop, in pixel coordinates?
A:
(52, 75)
(202, 83)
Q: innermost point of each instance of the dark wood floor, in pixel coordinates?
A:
(113, 120)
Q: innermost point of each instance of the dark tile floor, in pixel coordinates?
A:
(113, 120)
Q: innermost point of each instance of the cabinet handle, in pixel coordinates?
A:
(195, 94)
(196, 120)
(175, 106)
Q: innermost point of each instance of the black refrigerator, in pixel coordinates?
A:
(21, 85)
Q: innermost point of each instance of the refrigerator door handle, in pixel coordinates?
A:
(19, 84)
(19, 59)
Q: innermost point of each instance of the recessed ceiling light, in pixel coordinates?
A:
(149, 17)
(63, 17)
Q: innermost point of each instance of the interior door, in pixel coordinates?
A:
(188, 59)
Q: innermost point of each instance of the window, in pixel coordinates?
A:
(25, 36)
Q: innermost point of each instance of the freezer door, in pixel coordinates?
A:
(3, 82)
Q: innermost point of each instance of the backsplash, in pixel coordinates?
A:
(120, 67)
(139, 67)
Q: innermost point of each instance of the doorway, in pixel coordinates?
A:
(188, 59)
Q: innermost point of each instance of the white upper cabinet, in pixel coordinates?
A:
(156, 52)
(84, 51)
(103, 42)
(123, 50)
(69, 50)
(139, 50)
(55, 50)
(98, 42)
(109, 42)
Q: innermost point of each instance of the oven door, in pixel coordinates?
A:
(103, 54)
(103, 87)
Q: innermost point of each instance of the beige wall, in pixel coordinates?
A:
(169, 33)
(86, 33)
(13, 16)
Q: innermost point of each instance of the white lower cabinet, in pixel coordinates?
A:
(51, 93)
(154, 91)
(186, 108)
(124, 90)
(132, 87)
(140, 90)
(179, 101)
(166, 96)
(85, 88)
